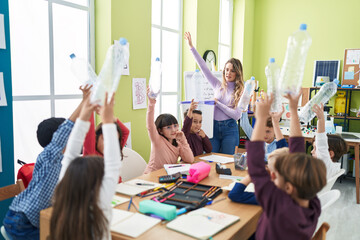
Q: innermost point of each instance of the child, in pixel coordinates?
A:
(196, 137)
(290, 206)
(273, 136)
(167, 142)
(22, 221)
(238, 193)
(82, 199)
(329, 148)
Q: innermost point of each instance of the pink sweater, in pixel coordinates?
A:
(162, 151)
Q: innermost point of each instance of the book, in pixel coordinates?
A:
(202, 223)
(130, 223)
(135, 186)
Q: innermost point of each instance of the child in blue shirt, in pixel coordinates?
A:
(22, 221)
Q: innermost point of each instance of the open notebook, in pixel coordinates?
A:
(202, 223)
(130, 223)
(135, 186)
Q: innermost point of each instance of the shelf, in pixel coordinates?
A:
(347, 117)
(339, 89)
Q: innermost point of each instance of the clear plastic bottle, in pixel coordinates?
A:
(155, 79)
(248, 91)
(325, 93)
(272, 72)
(109, 77)
(292, 70)
(197, 84)
(82, 70)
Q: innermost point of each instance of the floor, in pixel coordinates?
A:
(344, 215)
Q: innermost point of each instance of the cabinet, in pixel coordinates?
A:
(346, 118)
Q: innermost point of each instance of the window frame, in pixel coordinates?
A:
(231, 16)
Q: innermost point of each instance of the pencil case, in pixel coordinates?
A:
(166, 211)
(198, 172)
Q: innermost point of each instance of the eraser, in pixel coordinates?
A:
(166, 211)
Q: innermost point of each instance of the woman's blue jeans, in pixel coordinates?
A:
(18, 226)
(225, 136)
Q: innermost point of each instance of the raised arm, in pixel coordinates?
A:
(150, 123)
(231, 112)
(124, 130)
(185, 151)
(275, 117)
(200, 61)
(295, 130)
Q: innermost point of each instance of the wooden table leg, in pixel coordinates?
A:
(357, 172)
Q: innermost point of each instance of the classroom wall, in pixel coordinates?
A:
(332, 25)
(6, 127)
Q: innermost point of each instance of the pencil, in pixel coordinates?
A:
(207, 191)
(213, 193)
(190, 188)
(135, 206)
(130, 204)
(210, 192)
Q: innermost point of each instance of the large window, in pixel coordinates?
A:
(166, 44)
(43, 35)
(225, 32)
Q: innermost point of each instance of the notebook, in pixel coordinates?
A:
(202, 223)
(131, 224)
(117, 200)
(132, 187)
(175, 168)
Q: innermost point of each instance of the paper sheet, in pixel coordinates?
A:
(139, 93)
(135, 225)
(217, 158)
(131, 188)
(117, 200)
(2, 32)
(3, 101)
(175, 168)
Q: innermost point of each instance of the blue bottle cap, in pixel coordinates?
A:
(303, 27)
(252, 78)
(157, 59)
(197, 70)
(72, 55)
(123, 41)
(272, 60)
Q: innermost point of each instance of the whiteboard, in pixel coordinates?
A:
(206, 88)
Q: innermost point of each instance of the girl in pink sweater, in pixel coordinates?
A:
(168, 143)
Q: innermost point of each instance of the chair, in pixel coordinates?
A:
(239, 150)
(328, 198)
(9, 192)
(133, 165)
(330, 182)
(321, 232)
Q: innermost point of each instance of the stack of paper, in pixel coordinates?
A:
(202, 223)
(135, 186)
(175, 168)
(217, 158)
(131, 224)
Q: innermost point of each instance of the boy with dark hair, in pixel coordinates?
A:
(22, 221)
(196, 137)
(328, 148)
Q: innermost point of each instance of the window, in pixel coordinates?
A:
(43, 35)
(225, 32)
(166, 43)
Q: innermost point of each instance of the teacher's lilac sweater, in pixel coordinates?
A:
(282, 217)
(223, 108)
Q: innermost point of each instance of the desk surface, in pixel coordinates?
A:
(243, 229)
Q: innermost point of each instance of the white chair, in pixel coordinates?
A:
(328, 198)
(4, 234)
(133, 165)
(330, 182)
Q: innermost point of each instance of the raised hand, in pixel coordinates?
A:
(107, 110)
(263, 105)
(192, 107)
(85, 90)
(293, 100)
(187, 37)
(275, 116)
(87, 109)
(151, 100)
(319, 111)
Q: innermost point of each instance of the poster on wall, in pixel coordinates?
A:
(139, 93)
(2, 32)
(2, 91)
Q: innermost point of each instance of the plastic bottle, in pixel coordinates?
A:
(155, 79)
(197, 83)
(272, 72)
(82, 70)
(248, 91)
(325, 93)
(109, 77)
(292, 70)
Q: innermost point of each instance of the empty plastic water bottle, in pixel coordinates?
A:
(82, 70)
(197, 84)
(109, 77)
(155, 79)
(272, 72)
(325, 93)
(292, 70)
(248, 91)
